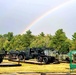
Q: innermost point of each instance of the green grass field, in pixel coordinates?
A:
(62, 67)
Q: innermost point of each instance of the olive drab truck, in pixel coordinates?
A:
(46, 55)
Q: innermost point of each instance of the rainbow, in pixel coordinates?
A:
(45, 14)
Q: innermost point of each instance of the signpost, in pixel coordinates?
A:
(72, 65)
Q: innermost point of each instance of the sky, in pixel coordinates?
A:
(46, 16)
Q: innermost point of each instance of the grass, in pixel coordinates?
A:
(62, 67)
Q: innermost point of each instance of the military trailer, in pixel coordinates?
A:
(46, 55)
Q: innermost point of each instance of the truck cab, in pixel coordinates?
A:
(30, 53)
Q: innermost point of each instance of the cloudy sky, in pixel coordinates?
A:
(46, 16)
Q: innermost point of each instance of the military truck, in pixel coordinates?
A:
(46, 55)
(2, 54)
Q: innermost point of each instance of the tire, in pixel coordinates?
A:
(45, 60)
(20, 57)
(68, 60)
(39, 59)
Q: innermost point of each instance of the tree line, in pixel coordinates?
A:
(59, 41)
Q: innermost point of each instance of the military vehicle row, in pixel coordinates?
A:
(46, 55)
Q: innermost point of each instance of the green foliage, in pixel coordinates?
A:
(74, 41)
(41, 41)
(42, 34)
(20, 42)
(2, 40)
(8, 36)
(74, 36)
(58, 39)
(65, 47)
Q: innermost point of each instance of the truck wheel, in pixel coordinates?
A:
(68, 60)
(45, 60)
(20, 57)
(39, 59)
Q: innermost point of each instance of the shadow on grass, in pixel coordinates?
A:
(9, 65)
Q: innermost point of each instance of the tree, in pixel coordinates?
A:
(58, 39)
(28, 32)
(8, 36)
(17, 43)
(41, 40)
(1, 36)
(42, 34)
(74, 37)
(27, 38)
(65, 47)
(2, 40)
(74, 41)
